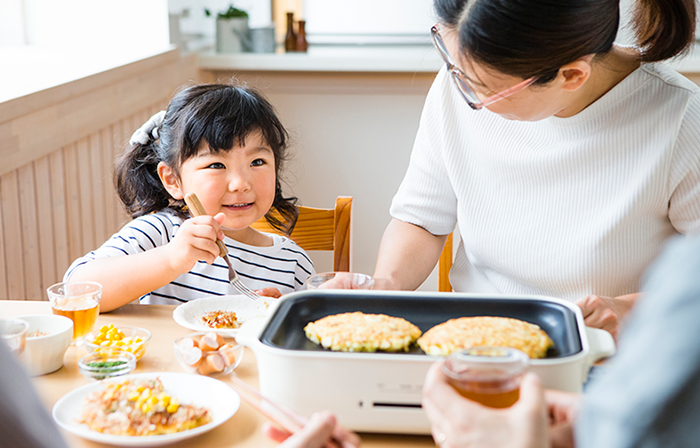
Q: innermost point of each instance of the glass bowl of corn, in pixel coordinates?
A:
(129, 339)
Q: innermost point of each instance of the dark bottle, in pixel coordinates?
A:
(290, 41)
(302, 45)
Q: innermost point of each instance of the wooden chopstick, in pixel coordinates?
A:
(292, 421)
(197, 209)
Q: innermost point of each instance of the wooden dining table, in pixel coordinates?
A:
(242, 430)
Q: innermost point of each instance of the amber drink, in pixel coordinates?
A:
(488, 375)
(79, 301)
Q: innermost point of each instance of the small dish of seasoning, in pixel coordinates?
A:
(106, 364)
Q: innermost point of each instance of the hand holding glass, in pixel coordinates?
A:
(79, 301)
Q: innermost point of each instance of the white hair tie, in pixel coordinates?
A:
(148, 130)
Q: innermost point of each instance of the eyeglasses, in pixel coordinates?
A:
(460, 79)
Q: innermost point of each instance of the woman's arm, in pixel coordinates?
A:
(407, 255)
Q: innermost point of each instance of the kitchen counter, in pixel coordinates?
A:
(400, 58)
(363, 58)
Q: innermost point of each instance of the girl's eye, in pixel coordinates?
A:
(216, 166)
(257, 162)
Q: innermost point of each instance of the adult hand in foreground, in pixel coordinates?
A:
(315, 434)
(458, 422)
(563, 409)
(606, 312)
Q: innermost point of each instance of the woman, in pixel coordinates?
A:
(565, 160)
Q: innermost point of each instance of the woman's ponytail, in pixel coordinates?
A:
(664, 28)
(137, 181)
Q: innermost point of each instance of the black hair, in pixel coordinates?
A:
(526, 38)
(220, 115)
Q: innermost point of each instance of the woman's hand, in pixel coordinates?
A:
(316, 434)
(606, 312)
(195, 241)
(458, 422)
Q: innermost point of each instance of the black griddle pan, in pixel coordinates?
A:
(285, 329)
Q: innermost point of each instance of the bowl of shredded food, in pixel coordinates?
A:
(130, 339)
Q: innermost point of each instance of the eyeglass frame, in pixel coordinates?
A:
(460, 79)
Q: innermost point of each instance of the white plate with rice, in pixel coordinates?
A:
(190, 314)
(219, 399)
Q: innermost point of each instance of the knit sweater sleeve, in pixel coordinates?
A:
(684, 179)
(426, 197)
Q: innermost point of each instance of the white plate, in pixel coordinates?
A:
(189, 314)
(218, 397)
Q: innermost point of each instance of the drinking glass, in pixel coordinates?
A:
(488, 375)
(14, 331)
(79, 301)
(340, 280)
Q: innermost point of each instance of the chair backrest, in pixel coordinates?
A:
(322, 229)
(444, 266)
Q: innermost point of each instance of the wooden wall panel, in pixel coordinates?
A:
(60, 214)
(30, 232)
(45, 223)
(12, 232)
(57, 196)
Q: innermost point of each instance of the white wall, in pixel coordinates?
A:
(101, 24)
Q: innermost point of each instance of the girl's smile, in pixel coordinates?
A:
(240, 183)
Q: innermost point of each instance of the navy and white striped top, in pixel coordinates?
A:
(284, 265)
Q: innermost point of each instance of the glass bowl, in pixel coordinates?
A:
(130, 339)
(208, 353)
(106, 363)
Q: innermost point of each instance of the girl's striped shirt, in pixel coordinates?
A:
(284, 265)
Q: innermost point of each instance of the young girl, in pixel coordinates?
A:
(566, 161)
(225, 144)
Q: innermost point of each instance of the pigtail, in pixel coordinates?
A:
(284, 213)
(137, 182)
(664, 28)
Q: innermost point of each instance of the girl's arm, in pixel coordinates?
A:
(126, 278)
(407, 255)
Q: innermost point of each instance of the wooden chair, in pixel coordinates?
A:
(322, 229)
(444, 266)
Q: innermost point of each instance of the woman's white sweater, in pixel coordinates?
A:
(563, 207)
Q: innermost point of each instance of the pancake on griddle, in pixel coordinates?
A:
(465, 332)
(360, 332)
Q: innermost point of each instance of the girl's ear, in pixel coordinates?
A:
(170, 181)
(575, 74)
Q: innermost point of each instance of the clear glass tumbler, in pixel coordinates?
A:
(340, 280)
(79, 301)
(488, 375)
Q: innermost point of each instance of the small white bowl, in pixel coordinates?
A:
(44, 354)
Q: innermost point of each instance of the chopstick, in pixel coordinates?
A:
(288, 419)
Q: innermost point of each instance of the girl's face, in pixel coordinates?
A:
(240, 183)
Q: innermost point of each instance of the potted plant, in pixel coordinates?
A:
(232, 33)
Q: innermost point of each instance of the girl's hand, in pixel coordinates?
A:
(316, 434)
(270, 292)
(195, 241)
(563, 409)
(606, 312)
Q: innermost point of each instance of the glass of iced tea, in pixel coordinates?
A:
(79, 301)
(14, 331)
(488, 375)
